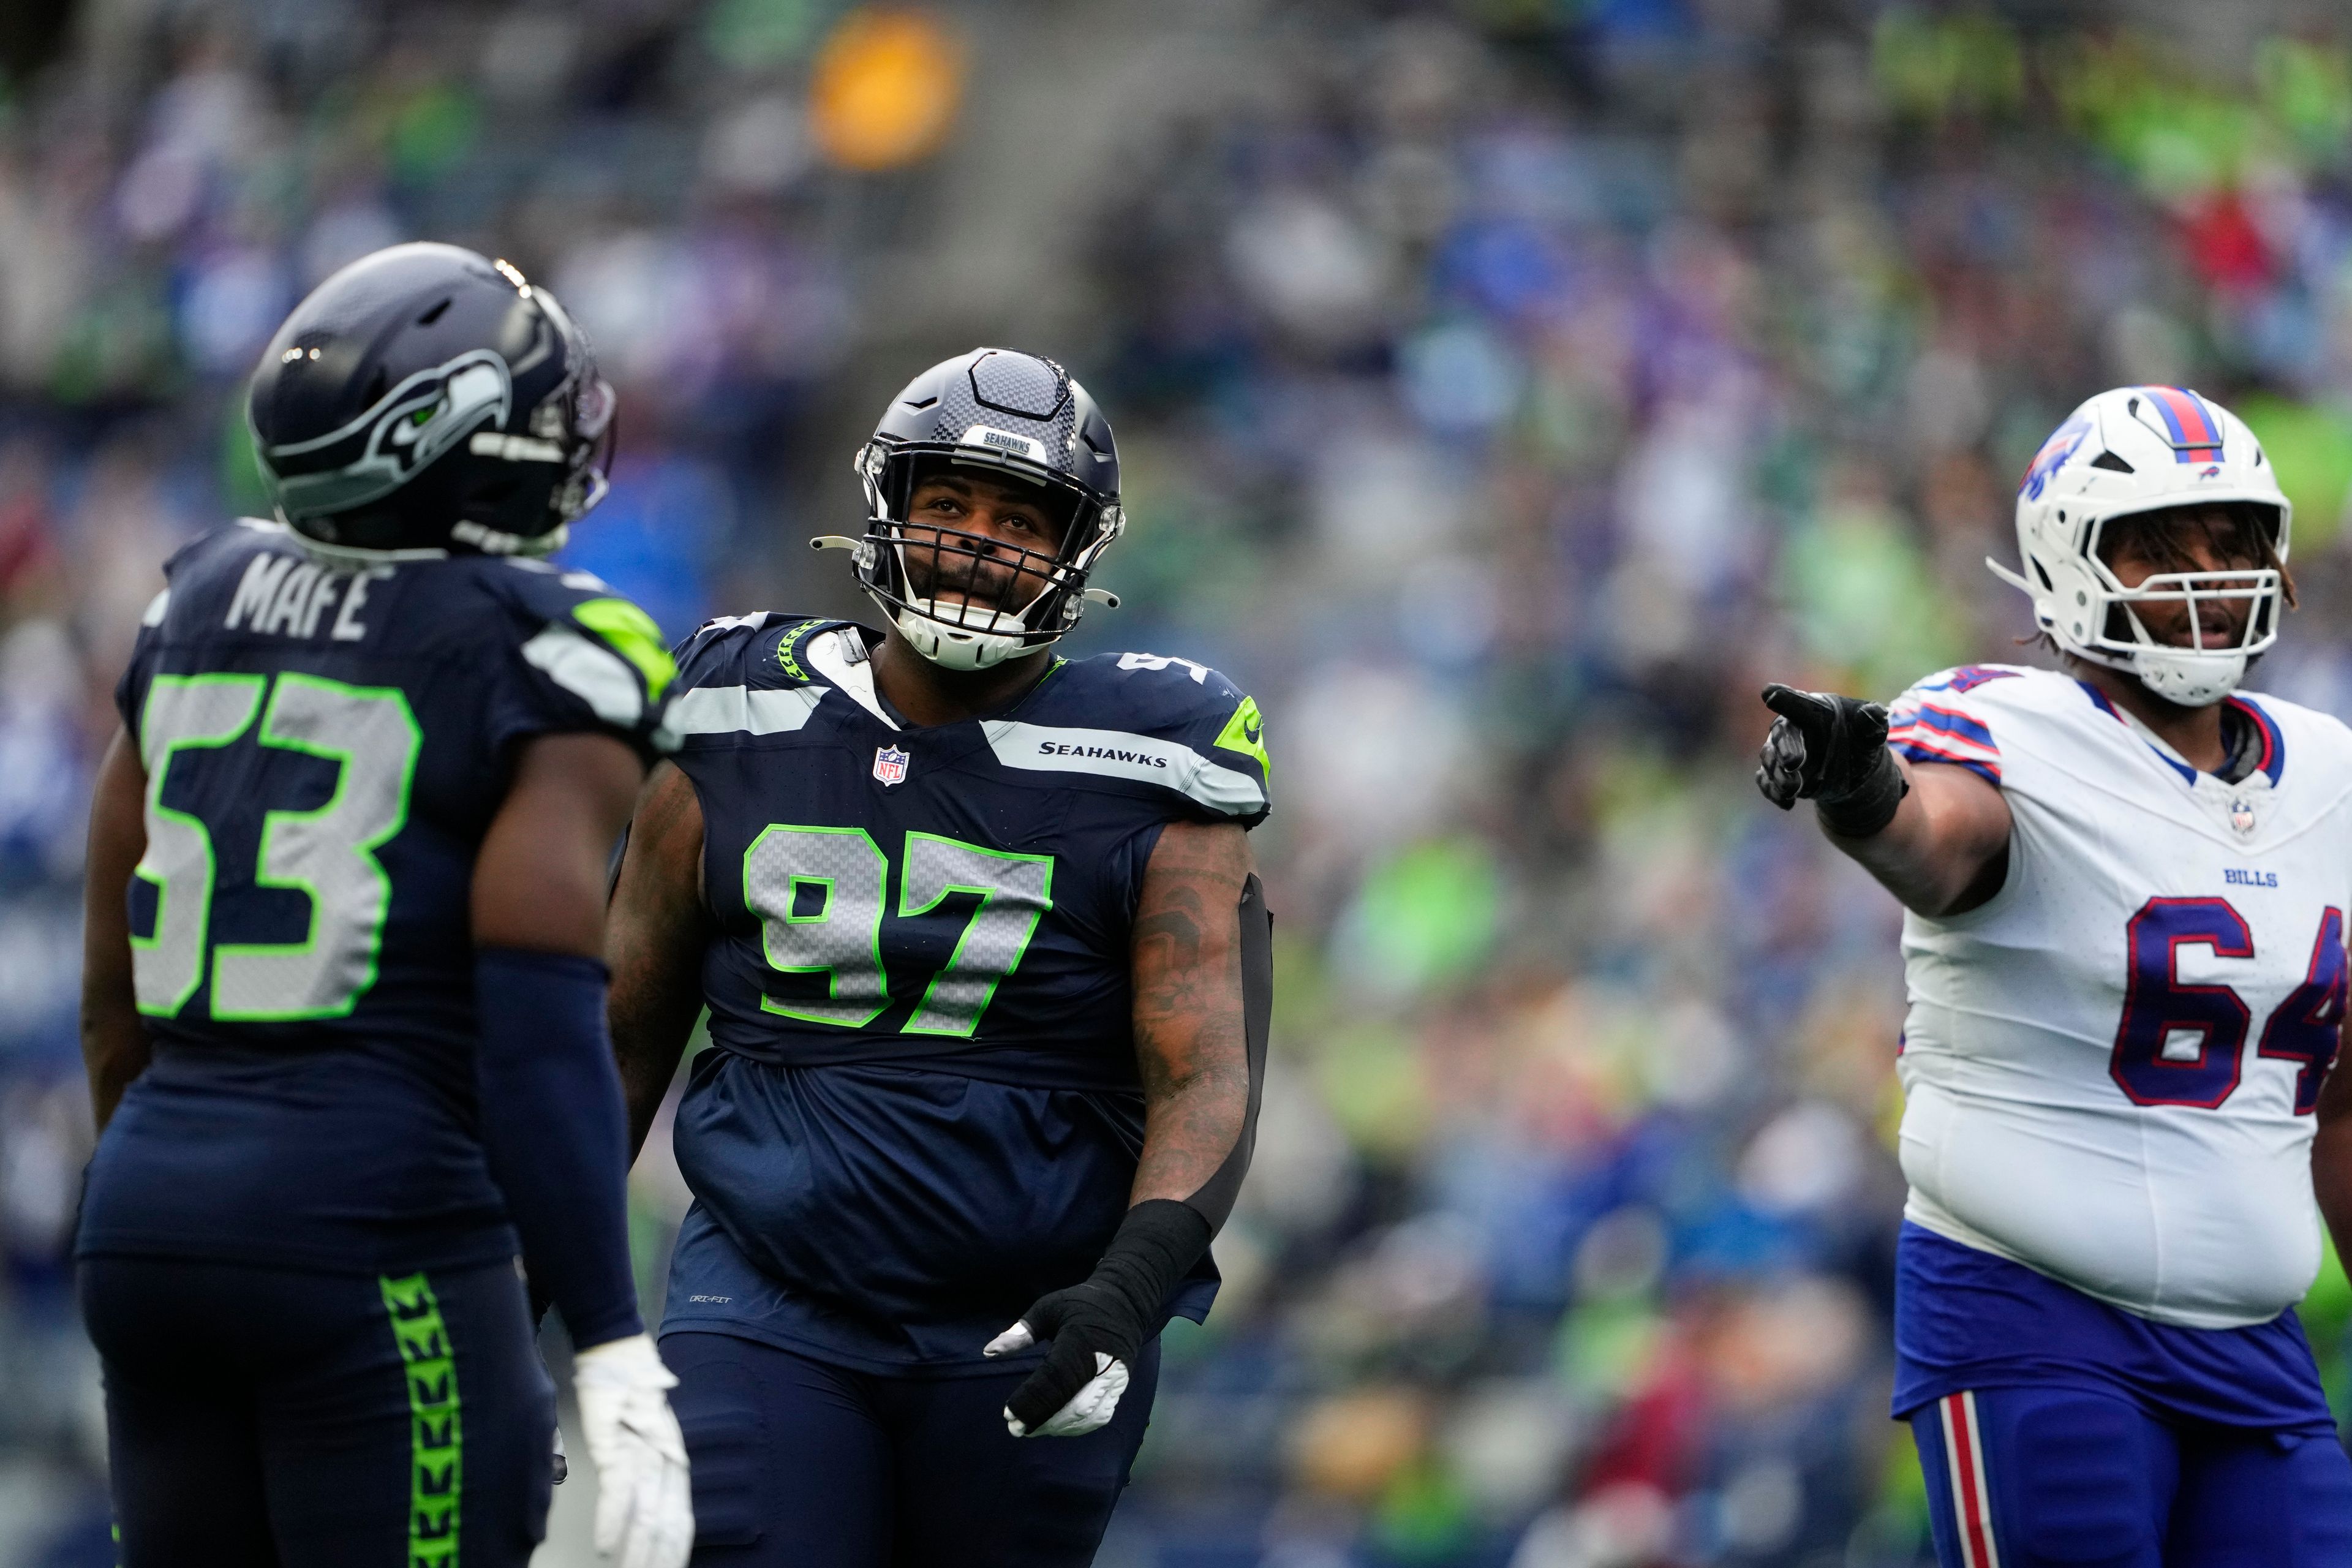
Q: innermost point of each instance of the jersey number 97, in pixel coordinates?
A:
(820, 894)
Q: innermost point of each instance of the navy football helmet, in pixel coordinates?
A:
(427, 398)
(1011, 416)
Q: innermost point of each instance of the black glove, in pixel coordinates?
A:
(1831, 750)
(1099, 1326)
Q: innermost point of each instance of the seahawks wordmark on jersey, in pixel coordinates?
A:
(924, 1111)
(325, 746)
(2110, 1068)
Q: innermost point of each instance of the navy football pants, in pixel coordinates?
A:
(801, 1464)
(261, 1419)
(2019, 1477)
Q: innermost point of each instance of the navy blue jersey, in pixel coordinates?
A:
(325, 746)
(923, 1110)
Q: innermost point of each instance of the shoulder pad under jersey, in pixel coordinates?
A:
(1175, 727)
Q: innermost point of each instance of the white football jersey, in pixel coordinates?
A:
(2110, 1068)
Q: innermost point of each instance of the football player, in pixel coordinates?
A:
(2125, 949)
(344, 995)
(988, 972)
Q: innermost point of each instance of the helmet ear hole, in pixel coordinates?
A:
(2043, 573)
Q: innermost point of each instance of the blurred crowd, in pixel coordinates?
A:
(1507, 389)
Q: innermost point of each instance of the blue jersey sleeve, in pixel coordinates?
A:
(1940, 719)
(574, 655)
(1169, 730)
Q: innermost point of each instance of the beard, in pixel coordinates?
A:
(949, 568)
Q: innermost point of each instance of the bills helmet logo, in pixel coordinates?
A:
(2063, 443)
(890, 764)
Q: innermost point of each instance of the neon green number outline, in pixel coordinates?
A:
(159, 768)
(372, 939)
(988, 896)
(832, 974)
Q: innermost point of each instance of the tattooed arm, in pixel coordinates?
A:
(1190, 1043)
(653, 936)
(1203, 970)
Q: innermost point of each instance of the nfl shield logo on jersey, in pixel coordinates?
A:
(2242, 816)
(890, 764)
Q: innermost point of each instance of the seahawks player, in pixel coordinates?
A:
(344, 1003)
(2126, 887)
(987, 974)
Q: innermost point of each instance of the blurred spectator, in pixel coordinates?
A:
(1509, 389)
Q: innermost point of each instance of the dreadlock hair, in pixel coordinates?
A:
(2234, 532)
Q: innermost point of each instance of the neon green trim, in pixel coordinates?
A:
(987, 896)
(159, 768)
(784, 660)
(831, 972)
(1246, 732)
(436, 1432)
(633, 635)
(372, 939)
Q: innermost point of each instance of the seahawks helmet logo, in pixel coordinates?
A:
(402, 432)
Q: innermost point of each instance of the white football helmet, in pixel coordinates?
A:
(2137, 450)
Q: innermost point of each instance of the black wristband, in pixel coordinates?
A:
(1870, 803)
(1155, 1247)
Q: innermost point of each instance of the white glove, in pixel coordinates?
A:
(1088, 1410)
(645, 1512)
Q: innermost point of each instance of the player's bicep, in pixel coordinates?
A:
(1184, 949)
(1967, 824)
(114, 1041)
(540, 875)
(1199, 1041)
(655, 935)
(1972, 816)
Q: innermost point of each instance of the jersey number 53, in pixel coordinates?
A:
(327, 852)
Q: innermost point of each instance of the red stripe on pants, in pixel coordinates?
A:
(1970, 1494)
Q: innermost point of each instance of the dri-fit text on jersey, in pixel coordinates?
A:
(280, 593)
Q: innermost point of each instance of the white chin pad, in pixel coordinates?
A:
(1089, 1409)
(961, 636)
(2190, 679)
(970, 617)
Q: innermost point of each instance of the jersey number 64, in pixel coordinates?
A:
(2180, 1044)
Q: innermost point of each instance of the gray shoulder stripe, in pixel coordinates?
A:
(588, 671)
(738, 709)
(1116, 754)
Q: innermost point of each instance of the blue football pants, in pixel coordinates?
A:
(2019, 1477)
(799, 1463)
(270, 1418)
